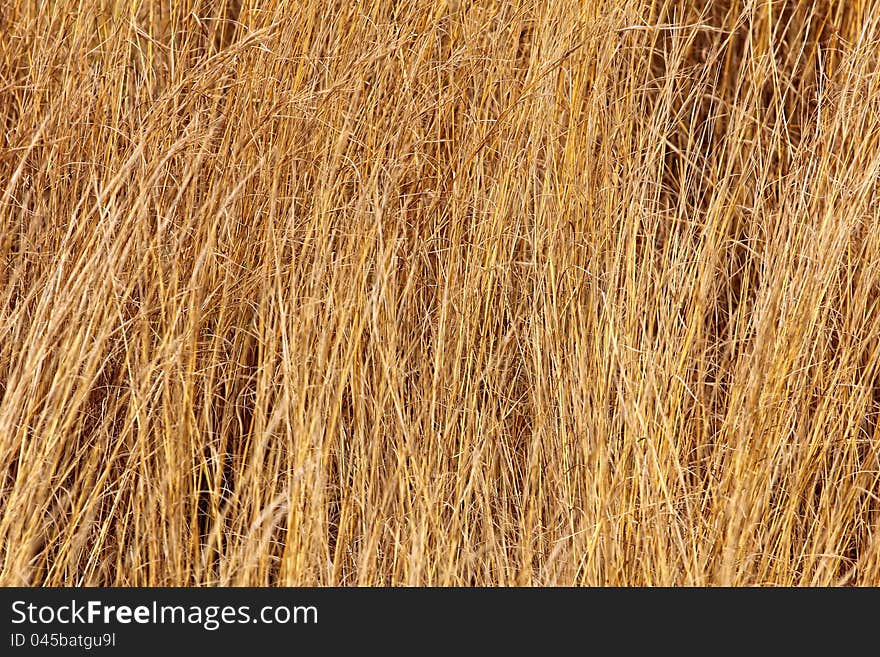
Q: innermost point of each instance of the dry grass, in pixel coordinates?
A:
(439, 292)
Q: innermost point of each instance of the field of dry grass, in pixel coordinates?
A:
(313, 292)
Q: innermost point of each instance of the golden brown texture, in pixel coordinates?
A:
(439, 292)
